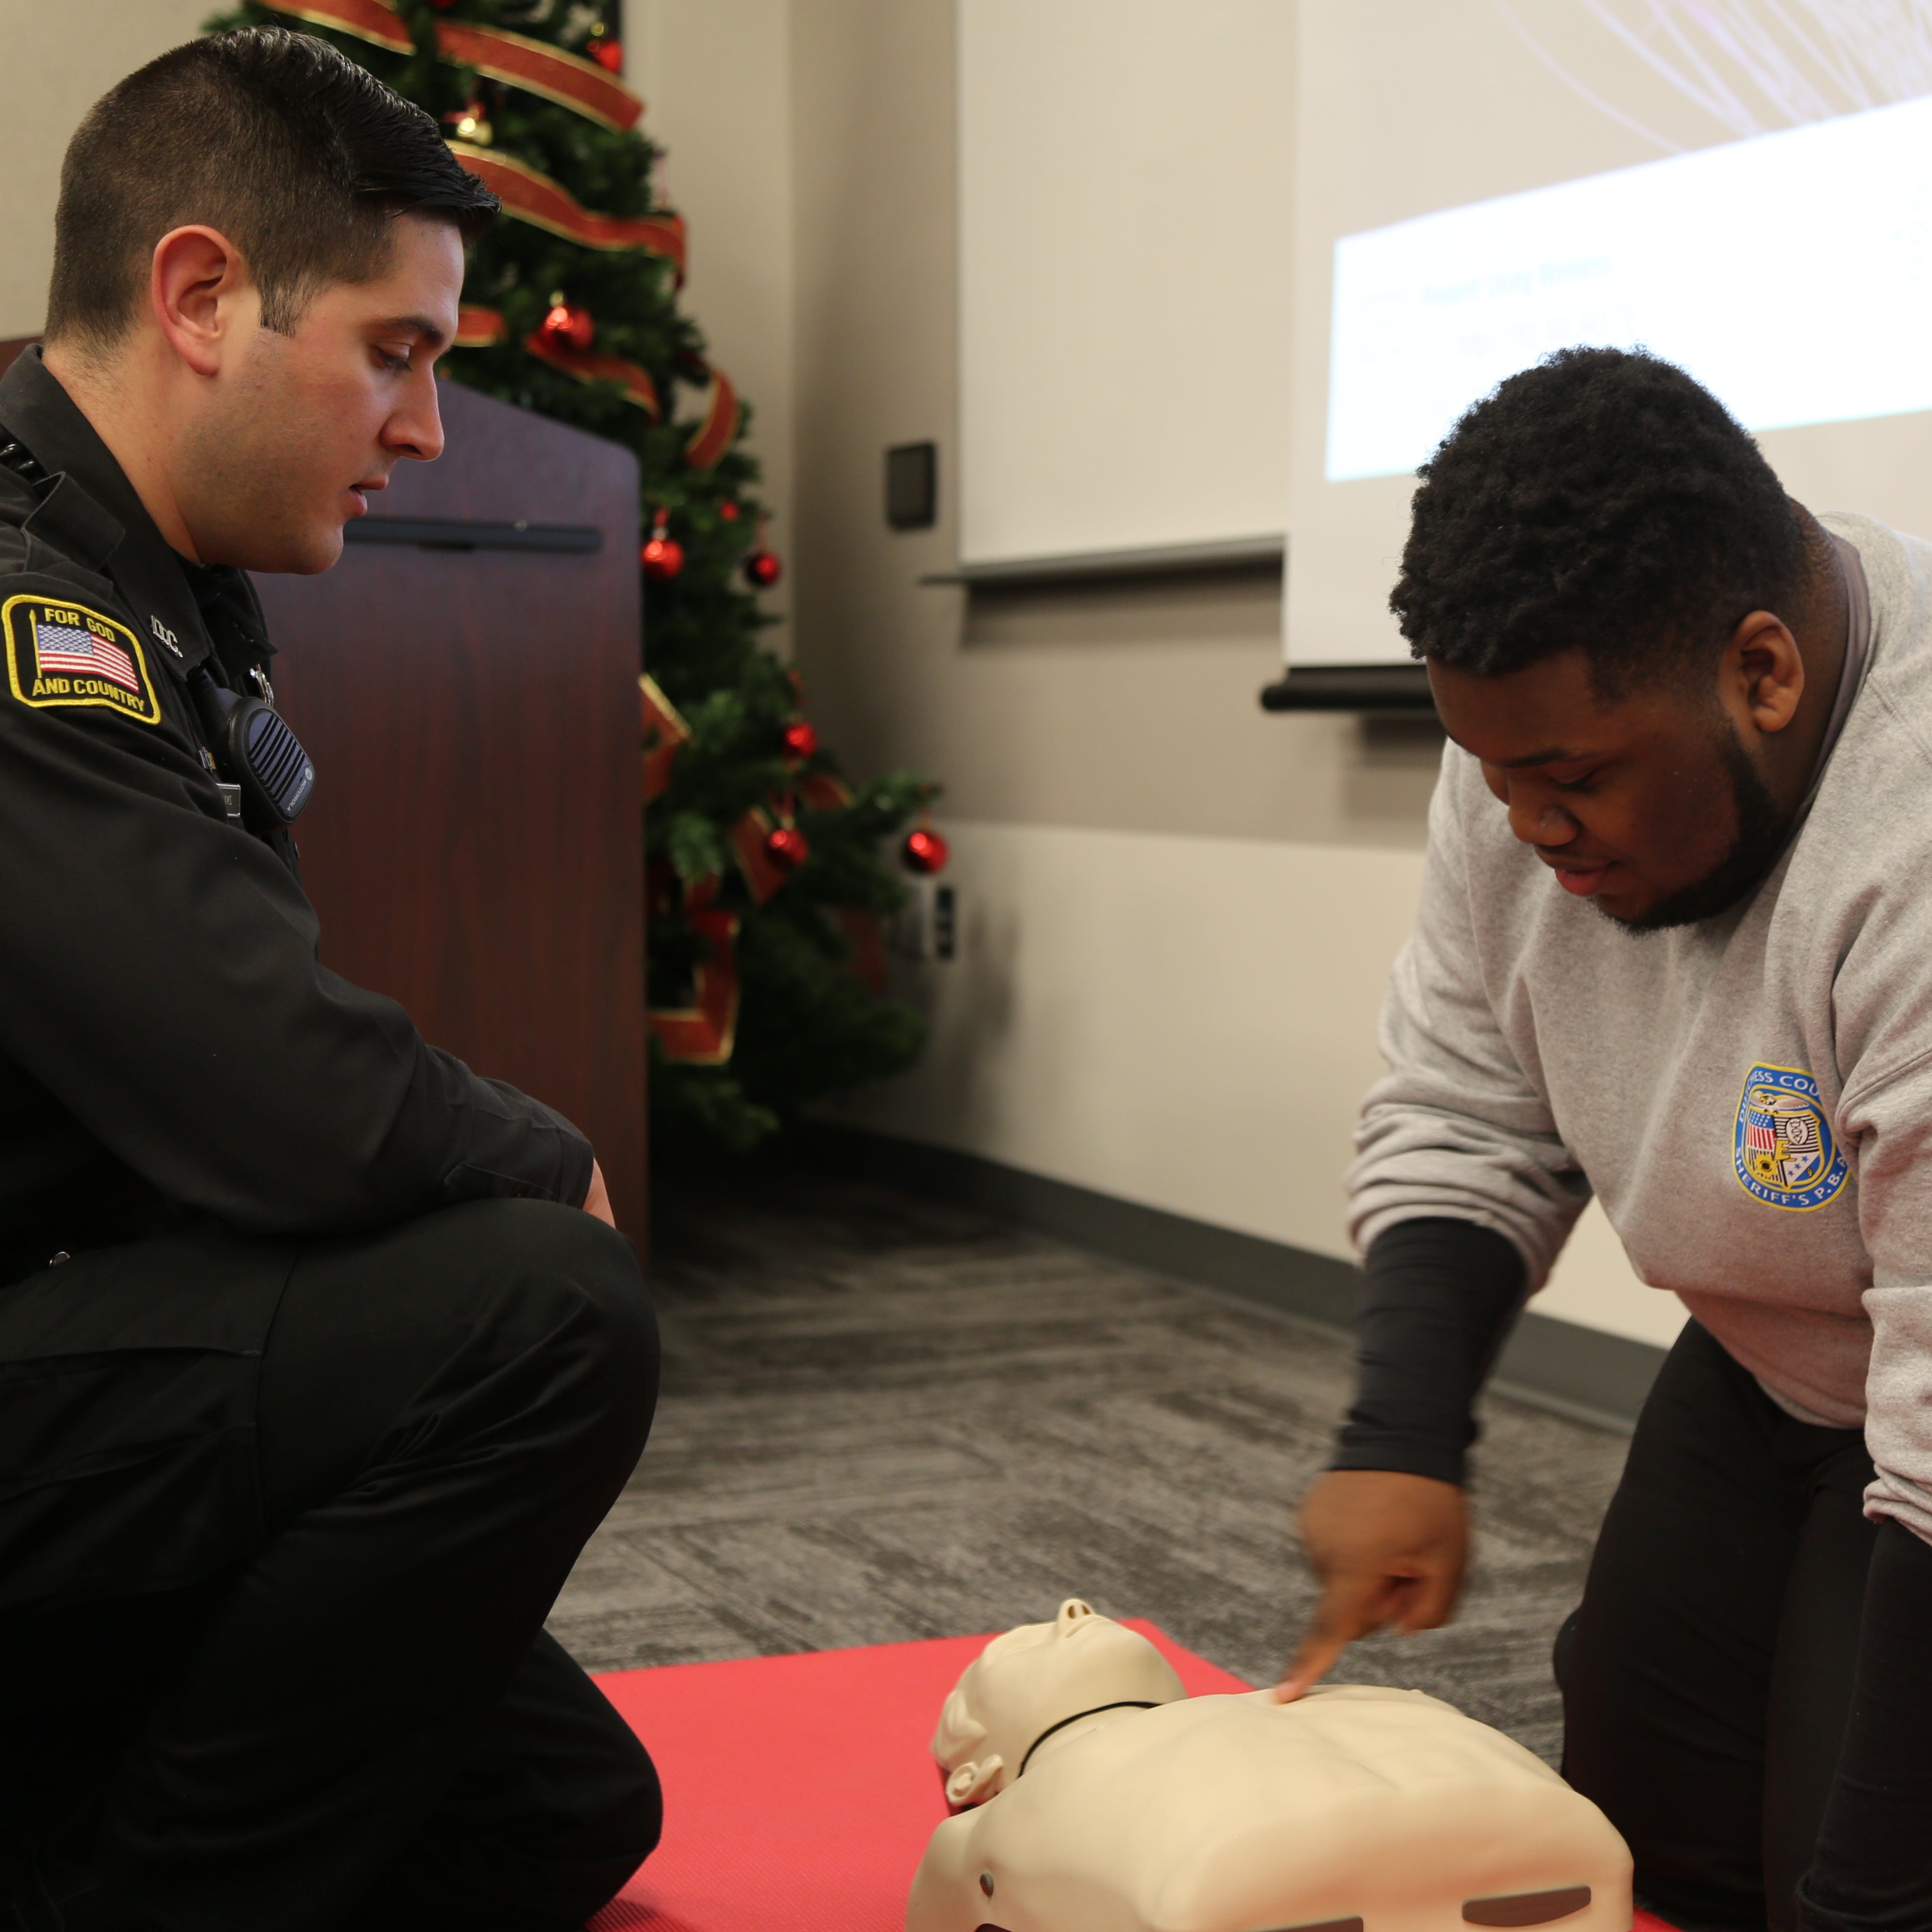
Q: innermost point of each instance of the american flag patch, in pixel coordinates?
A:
(66, 647)
(1760, 1136)
(66, 657)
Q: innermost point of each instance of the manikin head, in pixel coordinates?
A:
(1631, 626)
(1042, 1678)
(258, 254)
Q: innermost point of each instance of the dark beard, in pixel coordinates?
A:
(1760, 844)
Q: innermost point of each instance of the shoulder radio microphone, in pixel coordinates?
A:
(252, 740)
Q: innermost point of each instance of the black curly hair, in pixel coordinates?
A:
(1601, 500)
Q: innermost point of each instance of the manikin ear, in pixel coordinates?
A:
(1764, 668)
(959, 1732)
(973, 1782)
(200, 294)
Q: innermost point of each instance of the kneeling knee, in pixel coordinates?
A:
(569, 1288)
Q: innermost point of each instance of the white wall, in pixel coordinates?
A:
(59, 58)
(1185, 1022)
(1179, 912)
(716, 76)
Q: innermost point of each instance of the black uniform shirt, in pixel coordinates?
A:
(170, 1046)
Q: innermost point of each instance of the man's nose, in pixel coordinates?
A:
(1539, 819)
(416, 429)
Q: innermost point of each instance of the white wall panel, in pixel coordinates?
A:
(1125, 202)
(1188, 1023)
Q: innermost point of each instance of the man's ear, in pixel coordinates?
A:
(196, 285)
(1763, 667)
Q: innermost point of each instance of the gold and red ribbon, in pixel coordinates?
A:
(593, 365)
(569, 79)
(716, 434)
(703, 1034)
(746, 839)
(538, 68)
(866, 938)
(532, 196)
(665, 735)
(824, 791)
(365, 20)
(477, 327)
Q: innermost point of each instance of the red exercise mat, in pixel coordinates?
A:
(799, 1792)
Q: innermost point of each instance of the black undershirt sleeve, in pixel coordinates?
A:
(1872, 1869)
(1439, 1297)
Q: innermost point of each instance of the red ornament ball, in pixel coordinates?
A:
(607, 51)
(799, 740)
(925, 851)
(662, 558)
(728, 512)
(786, 847)
(762, 570)
(568, 325)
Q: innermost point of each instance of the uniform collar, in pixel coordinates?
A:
(158, 584)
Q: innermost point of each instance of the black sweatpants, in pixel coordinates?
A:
(1707, 1676)
(279, 1528)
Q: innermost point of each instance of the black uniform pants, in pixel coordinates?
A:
(279, 1528)
(1707, 1676)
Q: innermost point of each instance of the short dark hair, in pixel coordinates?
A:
(299, 156)
(1602, 500)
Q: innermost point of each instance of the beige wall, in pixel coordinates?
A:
(1122, 708)
(58, 60)
(1177, 910)
(714, 75)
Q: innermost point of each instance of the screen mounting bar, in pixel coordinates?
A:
(1241, 553)
(1398, 687)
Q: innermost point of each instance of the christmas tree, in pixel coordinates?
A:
(766, 887)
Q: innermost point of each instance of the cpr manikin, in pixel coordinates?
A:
(1100, 1797)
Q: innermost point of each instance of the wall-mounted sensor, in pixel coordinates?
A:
(928, 924)
(912, 486)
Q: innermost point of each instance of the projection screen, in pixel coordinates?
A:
(1743, 186)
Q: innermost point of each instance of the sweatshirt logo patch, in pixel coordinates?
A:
(1783, 1151)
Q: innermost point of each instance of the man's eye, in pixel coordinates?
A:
(391, 362)
(1583, 784)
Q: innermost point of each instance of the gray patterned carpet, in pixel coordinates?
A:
(884, 1419)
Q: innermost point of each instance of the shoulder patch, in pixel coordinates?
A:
(65, 655)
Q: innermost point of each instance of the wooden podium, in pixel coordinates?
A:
(466, 679)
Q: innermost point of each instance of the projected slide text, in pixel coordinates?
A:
(1790, 273)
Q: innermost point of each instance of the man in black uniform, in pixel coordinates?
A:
(316, 1379)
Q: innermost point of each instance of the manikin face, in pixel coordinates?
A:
(1650, 807)
(1034, 1678)
(301, 430)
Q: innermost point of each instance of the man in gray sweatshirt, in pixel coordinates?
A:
(1674, 948)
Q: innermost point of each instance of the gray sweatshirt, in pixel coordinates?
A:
(1750, 1098)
